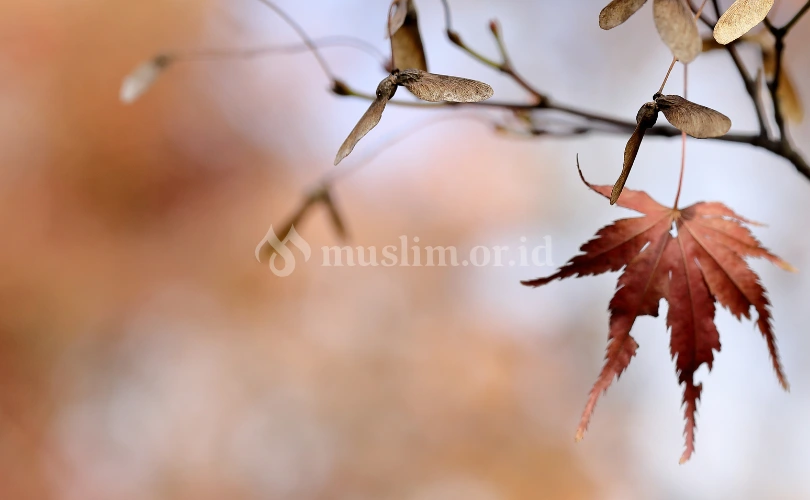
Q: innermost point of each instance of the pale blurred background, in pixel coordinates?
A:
(144, 354)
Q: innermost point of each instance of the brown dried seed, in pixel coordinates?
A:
(678, 28)
(647, 115)
(399, 10)
(385, 91)
(698, 121)
(435, 88)
(407, 50)
(646, 118)
(740, 18)
(617, 12)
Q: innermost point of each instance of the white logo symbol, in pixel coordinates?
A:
(279, 249)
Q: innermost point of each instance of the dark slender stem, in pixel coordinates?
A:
(749, 82)
(773, 87)
(301, 33)
(750, 87)
(600, 123)
(786, 28)
(508, 68)
(780, 34)
(716, 6)
(505, 66)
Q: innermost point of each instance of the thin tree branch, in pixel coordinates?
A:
(773, 87)
(600, 123)
(786, 28)
(301, 33)
(505, 66)
(779, 35)
(749, 82)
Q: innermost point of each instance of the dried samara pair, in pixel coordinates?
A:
(695, 120)
(407, 53)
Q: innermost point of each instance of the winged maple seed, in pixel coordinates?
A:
(677, 26)
(740, 18)
(703, 264)
(407, 50)
(426, 86)
(674, 21)
(617, 12)
(696, 120)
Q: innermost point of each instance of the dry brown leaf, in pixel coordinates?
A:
(617, 12)
(698, 121)
(407, 50)
(678, 28)
(435, 88)
(740, 18)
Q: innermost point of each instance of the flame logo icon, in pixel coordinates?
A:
(279, 249)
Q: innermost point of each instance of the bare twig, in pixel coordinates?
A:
(786, 28)
(779, 35)
(749, 82)
(505, 66)
(599, 123)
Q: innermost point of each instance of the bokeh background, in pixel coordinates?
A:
(144, 354)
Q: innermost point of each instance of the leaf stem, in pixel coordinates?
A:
(669, 72)
(683, 142)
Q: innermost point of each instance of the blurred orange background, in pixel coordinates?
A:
(145, 354)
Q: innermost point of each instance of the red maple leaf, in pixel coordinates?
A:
(690, 257)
